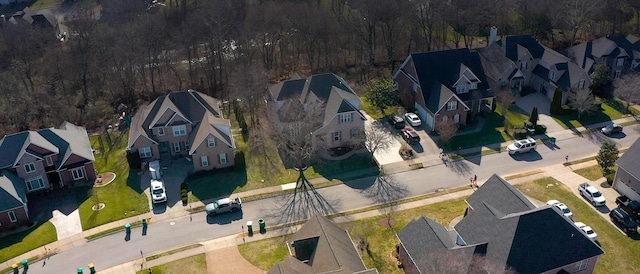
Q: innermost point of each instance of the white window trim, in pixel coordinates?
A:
(345, 118)
(204, 161)
(581, 84)
(187, 145)
(445, 118)
(620, 62)
(582, 265)
(337, 136)
(33, 168)
(12, 216)
(223, 158)
(456, 118)
(452, 105)
(552, 75)
(49, 160)
(37, 179)
(176, 147)
(211, 142)
(145, 152)
(461, 88)
(78, 173)
(160, 131)
(180, 130)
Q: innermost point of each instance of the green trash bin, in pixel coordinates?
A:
(552, 140)
(79, 270)
(16, 268)
(25, 263)
(127, 227)
(250, 228)
(263, 228)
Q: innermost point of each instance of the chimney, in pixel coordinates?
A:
(493, 34)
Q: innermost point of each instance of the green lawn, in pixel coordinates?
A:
(23, 242)
(620, 250)
(123, 197)
(374, 112)
(492, 132)
(272, 250)
(193, 264)
(592, 173)
(611, 110)
(40, 4)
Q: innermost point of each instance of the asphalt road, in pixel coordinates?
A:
(117, 248)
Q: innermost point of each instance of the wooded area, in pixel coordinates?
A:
(124, 51)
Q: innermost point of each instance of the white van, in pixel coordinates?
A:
(521, 146)
(155, 170)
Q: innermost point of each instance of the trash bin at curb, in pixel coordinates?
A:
(127, 227)
(25, 263)
(250, 228)
(15, 268)
(92, 268)
(144, 223)
(263, 228)
(79, 270)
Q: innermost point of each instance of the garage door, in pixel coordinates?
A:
(425, 116)
(622, 188)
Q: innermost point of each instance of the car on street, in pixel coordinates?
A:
(611, 129)
(622, 219)
(396, 121)
(592, 235)
(563, 208)
(522, 146)
(592, 194)
(410, 136)
(158, 192)
(412, 119)
(224, 205)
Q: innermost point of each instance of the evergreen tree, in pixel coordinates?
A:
(556, 103)
(607, 156)
(534, 116)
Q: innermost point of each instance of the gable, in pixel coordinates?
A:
(163, 119)
(630, 159)
(12, 191)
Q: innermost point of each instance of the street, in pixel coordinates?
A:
(163, 236)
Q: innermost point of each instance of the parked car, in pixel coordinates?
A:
(629, 206)
(563, 208)
(413, 119)
(587, 231)
(223, 206)
(622, 219)
(521, 146)
(611, 129)
(396, 121)
(158, 192)
(592, 194)
(410, 136)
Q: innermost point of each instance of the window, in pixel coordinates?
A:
(180, 130)
(187, 145)
(204, 161)
(35, 184)
(211, 142)
(345, 118)
(445, 118)
(160, 131)
(618, 73)
(461, 88)
(354, 133)
(49, 160)
(456, 118)
(453, 105)
(176, 147)
(582, 265)
(12, 216)
(145, 152)
(620, 62)
(395, 85)
(581, 84)
(523, 65)
(30, 167)
(552, 75)
(78, 173)
(337, 136)
(223, 158)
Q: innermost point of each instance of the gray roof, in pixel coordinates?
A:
(630, 159)
(328, 247)
(12, 191)
(495, 63)
(70, 140)
(501, 195)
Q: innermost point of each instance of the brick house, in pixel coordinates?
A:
(183, 124)
(40, 160)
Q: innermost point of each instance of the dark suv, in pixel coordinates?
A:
(624, 221)
(410, 136)
(630, 206)
(396, 121)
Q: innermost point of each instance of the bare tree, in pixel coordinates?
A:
(626, 88)
(582, 100)
(377, 137)
(446, 128)
(249, 83)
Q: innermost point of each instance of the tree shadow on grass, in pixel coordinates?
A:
(216, 183)
(343, 169)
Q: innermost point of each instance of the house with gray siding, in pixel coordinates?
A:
(627, 178)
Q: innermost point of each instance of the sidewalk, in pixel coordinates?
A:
(425, 161)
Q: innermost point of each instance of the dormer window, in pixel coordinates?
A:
(552, 75)
(461, 88)
(581, 84)
(523, 65)
(620, 62)
(345, 118)
(473, 86)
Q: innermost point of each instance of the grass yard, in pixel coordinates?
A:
(620, 250)
(193, 264)
(272, 250)
(373, 111)
(592, 173)
(23, 242)
(40, 4)
(123, 197)
(611, 110)
(492, 132)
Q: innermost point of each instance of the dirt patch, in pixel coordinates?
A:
(387, 222)
(104, 179)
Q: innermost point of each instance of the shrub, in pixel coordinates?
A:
(565, 110)
(133, 158)
(556, 102)
(528, 125)
(541, 129)
(240, 160)
(610, 178)
(520, 133)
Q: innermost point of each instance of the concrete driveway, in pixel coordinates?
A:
(389, 155)
(541, 101)
(60, 207)
(172, 176)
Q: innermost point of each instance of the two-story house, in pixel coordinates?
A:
(183, 124)
(501, 232)
(618, 52)
(338, 107)
(40, 160)
(443, 85)
(543, 69)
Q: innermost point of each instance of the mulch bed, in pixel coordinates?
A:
(104, 179)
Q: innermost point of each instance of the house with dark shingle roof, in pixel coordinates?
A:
(501, 72)
(183, 124)
(40, 160)
(443, 85)
(321, 246)
(544, 69)
(616, 51)
(325, 96)
(627, 178)
(501, 232)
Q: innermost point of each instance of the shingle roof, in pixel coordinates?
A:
(438, 71)
(494, 62)
(12, 191)
(514, 44)
(630, 159)
(501, 195)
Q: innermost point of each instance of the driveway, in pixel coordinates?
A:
(389, 155)
(172, 176)
(60, 207)
(541, 101)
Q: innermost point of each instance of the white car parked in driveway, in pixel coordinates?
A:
(587, 231)
(563, 208)
(413, 119)
(158, 192)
